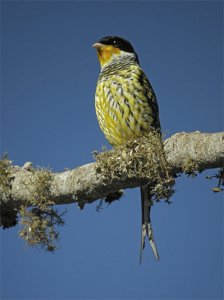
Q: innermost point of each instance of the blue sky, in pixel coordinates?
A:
(48, 79)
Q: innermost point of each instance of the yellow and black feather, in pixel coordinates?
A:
(125, 103)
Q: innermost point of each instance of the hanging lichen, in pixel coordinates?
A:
(141, 157)
(38, 218)
(8, 215)
(5, 178)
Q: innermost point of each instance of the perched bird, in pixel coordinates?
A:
(126, 107)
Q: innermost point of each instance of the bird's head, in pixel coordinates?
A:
(111, 48)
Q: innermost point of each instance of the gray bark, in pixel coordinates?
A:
(82, 184)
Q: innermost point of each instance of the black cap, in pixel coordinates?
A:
(117, 42)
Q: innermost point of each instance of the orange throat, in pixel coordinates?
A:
(106, 53)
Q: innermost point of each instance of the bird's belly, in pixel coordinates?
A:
(118, 126)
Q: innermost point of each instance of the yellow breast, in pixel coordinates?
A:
(122, 106)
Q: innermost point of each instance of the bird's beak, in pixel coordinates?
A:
(97, 45)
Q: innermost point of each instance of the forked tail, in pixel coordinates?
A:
(146, 203)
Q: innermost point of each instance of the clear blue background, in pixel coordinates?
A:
(49, 74)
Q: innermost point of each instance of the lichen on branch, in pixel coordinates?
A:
(35, 192)
(142, 157)
(5, 178)
(39, 220)
(8, 215)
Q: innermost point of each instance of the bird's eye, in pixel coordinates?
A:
(114, 42)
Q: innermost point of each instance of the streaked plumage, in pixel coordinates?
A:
(126, 106)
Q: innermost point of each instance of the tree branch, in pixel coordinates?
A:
(206, 150)
(185, 152)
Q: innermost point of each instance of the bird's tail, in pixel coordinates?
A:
(146, 222)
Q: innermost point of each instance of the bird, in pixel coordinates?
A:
(126, 107)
